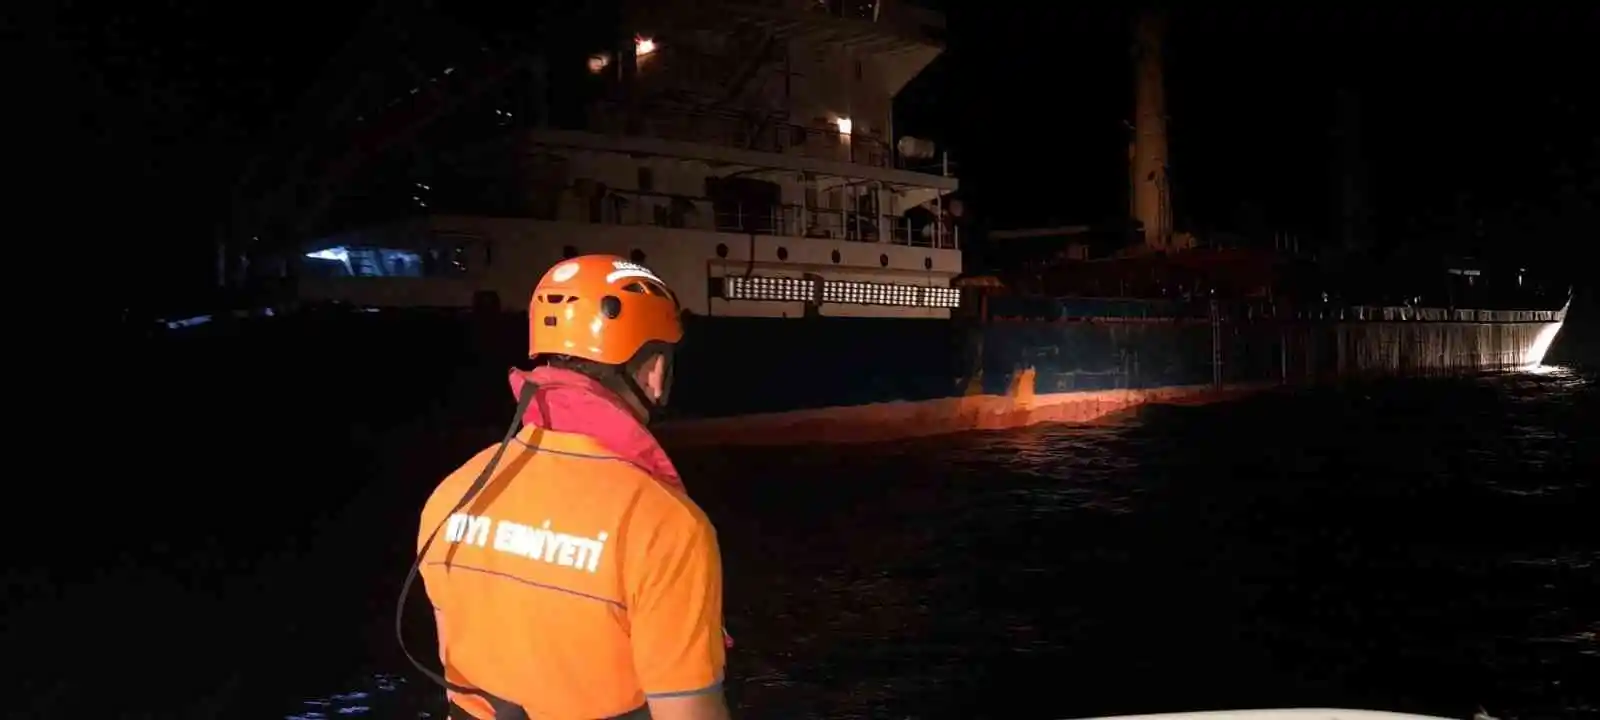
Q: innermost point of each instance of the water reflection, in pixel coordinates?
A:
(1404, 546)
(377, 689)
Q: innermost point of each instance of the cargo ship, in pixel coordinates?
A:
(746, 151)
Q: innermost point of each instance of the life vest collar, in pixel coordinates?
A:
(580, 405)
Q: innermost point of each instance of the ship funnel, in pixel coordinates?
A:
(915, 148)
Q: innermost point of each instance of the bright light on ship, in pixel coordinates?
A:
(846, 292)
(769, 288)
(1533, 359)
(643, 46)
(336, 254)
(844, 125)
(866, 293)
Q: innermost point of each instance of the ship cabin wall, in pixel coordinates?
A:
(826, 88)
(799, 97)
(735, 87)
(610, 187)
(832, 85)
(506, 257)
(803, 83)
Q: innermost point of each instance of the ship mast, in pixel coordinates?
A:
(1150, 190)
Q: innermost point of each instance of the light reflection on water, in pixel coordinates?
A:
(357, 703)
(1403, 546)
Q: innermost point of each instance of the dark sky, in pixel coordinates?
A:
(1469, 115)
(1481, 127)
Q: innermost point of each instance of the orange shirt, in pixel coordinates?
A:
(577, 585)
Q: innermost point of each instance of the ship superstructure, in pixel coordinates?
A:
(743, 149)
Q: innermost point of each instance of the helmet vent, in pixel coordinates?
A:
(644, 287)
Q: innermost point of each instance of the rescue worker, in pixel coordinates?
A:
(571, 576)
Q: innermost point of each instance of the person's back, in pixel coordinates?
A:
(570, 575)
(577, 583)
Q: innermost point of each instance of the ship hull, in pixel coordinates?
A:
(854, 380)
(737, 367)
(826, 362)
(753, 380)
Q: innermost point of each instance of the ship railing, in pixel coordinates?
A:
(863, 145)
(629, 207)
(1036, 305)
(1406, 313)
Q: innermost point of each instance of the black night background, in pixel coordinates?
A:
(1411, 545)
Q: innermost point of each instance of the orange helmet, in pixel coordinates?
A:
(601, 308)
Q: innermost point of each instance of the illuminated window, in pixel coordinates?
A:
(781, 289)
(446, 259)
(865, 293)
(847, 292)
(366, 262)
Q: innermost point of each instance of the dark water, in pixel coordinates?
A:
(1418, 546)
